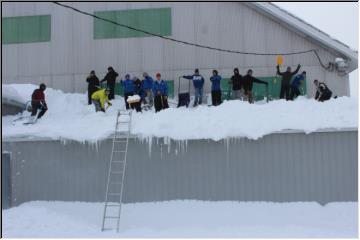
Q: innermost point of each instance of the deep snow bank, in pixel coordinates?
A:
(184, 218)
(69, 117)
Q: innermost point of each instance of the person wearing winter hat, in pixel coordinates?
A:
(99, 98)
(160, 91)
(147, 88)
(129, 88)
(38, 102)
(110, 79)
(93, 85)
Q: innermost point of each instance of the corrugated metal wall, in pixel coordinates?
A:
(65, 62)
(281, 167)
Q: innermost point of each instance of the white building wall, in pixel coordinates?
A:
(65, 62)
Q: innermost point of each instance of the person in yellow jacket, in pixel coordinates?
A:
(99, 98)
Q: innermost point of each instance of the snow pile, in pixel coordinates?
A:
(134, 98)
(69, 117)
(184, 219)
(12, 92)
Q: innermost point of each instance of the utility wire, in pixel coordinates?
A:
(195, 44)
(176, 40)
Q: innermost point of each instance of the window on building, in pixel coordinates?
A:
(26, 29)
(154, 20)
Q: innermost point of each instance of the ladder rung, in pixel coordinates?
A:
(114, 194)
(111, 217)
(118, 161)
(120, 141)
(107, 229)
(113, 205)
(119, 151)
(123, 122)
(117, 172)
(120, 183)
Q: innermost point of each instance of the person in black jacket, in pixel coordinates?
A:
(110, 79)
(237, 85)
(248, 80)
(323, 93)
(285, 82)
(93, 85)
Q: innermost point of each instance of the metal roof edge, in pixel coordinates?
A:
(286, 131)
(309, 30)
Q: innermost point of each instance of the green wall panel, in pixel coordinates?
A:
(26, 29)
(154, 20)
(259, 90)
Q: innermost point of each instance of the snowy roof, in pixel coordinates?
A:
(324, 39)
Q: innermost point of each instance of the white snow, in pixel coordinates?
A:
(69, 117)
(184, 218)
(134, 98)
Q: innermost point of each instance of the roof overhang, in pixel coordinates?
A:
(287, 19)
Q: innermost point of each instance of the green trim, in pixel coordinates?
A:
(259, 90)
(26, 29)
(154, 20)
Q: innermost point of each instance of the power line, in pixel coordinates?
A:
(185, 42)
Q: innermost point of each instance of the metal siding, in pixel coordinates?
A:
(73, 51)
(282, 167)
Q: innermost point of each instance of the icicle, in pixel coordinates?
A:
(150, 145)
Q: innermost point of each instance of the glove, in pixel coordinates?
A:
(102, 109)
(299, 65)
(109, 103)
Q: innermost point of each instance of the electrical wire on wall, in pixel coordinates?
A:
(330, 66)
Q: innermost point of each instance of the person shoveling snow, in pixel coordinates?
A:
(38, 103)
(99, 98)
(134, 102)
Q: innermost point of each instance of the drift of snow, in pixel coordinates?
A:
(184, 218)
(69, 117)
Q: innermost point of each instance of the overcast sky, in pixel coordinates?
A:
(339, 20)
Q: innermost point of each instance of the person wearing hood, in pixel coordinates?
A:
(198, 82)
(285, 82)
(249, 80)
(295, 85)
(93, 84)
(129, 88)
(38, 102)
(237, 85)
(160, 91)
(323, 93)
(110, 79)
(215, 88)
(147, 85)
(99, 98)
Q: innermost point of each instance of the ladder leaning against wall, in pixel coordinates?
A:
(117, 168)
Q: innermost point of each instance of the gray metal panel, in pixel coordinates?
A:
(282, 167)
(65, 61)
(5, 180)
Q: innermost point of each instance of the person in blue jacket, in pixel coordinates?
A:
(160, 91)
(129, 88)
(295, 85)
(147, 85)
(198, 82)
(215, 88)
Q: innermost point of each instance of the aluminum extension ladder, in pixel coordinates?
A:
(117, 167)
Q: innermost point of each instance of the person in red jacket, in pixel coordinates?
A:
(38, 101)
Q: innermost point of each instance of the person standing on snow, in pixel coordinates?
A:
(93, 85)
(38, 102)
(323, 93)
(99, 98)
(215, 88)
(295, 85)
(198, 82)
(160, 91)
(237, 88)
(285, 82)
(249, 80)
(147, 88)
(129, 88)
(110, 79)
